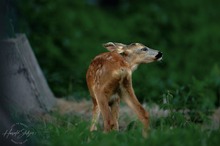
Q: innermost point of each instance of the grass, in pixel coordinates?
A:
(72, 130)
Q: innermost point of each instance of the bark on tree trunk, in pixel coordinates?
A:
(23, 87)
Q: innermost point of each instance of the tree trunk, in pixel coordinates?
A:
(23, 87)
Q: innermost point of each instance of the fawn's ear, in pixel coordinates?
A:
(114, 46)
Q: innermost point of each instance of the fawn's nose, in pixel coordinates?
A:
(159, 55)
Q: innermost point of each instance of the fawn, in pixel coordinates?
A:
(109, 79)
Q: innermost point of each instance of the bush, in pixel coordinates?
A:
(66, 35)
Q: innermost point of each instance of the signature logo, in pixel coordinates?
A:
(18, 133)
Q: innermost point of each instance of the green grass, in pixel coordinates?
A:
(72, 130)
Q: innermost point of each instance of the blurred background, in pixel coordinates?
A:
(67, 34)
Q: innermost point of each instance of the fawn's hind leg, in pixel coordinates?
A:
(105, 110)
(114, 104)
(95, 115)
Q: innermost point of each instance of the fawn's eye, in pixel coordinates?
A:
(144, 49)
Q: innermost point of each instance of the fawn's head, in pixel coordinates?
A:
(135, 53)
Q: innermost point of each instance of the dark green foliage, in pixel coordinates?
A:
(66, 35)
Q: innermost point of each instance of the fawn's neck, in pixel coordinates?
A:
(131, 61)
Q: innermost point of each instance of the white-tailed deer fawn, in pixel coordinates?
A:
(109, 79)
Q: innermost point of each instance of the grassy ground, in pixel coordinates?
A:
(73, 130)
(176, 127)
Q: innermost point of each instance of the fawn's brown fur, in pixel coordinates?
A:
(109, 79)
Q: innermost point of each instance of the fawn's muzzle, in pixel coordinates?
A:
(159, 55)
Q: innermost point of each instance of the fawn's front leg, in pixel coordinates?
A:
(129, 97)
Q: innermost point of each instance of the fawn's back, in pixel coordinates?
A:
(109, 66)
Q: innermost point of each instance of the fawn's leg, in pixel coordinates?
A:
(114, 104)
(129, 97)
(95, 115)
(102, 100)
